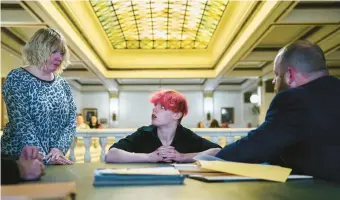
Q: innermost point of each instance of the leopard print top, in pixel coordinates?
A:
(41, 113)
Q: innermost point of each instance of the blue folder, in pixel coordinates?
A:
(103, 178)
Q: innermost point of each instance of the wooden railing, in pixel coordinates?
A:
(230, 134)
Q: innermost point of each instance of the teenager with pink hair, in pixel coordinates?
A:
(165, 140)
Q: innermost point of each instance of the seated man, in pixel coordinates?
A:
(28, 167)
(166, 140)
(301, 128)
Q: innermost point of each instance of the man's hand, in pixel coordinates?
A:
(170, 154)
(31, 153)
(30, 169)
(57, 157)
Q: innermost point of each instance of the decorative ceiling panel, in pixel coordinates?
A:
(75, 67)
(25, 33)
(137, 81)
(334, 55)
(159, 24)
(233, 80)
(197, 81)
(280, 35)
(251, 64)
(333, 63)
(160, 81)
(85, 81)
(261, 56)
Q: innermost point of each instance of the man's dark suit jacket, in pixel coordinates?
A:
(301, 131)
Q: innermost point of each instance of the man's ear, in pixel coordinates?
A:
(291, 75)
(177, 115)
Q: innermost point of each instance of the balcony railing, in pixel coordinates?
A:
(214, 134)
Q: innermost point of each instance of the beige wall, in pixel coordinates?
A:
(8, 62)
(266, 99)
(134, 108)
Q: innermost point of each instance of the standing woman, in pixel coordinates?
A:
(40, 105)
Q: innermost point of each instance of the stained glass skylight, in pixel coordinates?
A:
(159, 24)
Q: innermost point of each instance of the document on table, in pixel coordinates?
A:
(212, 168)
(229, 178)
(259, 171)
(196, 172)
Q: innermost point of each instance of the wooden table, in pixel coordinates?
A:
(82, 174)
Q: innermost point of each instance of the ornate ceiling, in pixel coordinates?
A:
(200, 43)
(161, 24)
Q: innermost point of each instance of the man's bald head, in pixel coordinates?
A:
(298, 63)
(303, 56)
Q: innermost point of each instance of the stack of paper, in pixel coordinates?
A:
(265, 172)
(209, 168)
(138, 176)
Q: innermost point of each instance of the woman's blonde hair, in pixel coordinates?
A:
(39, 48)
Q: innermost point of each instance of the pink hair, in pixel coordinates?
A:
(171, 100)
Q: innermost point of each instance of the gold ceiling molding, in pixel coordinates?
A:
(331, 43)
(78, 21)
(248, 73)
(162, 74)
(86, 23)
(119, 59)
(287, 33)
(252, 33)
(235, 16)
(328, 39)
(11, 41)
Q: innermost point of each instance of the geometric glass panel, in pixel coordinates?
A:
(159, 24)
